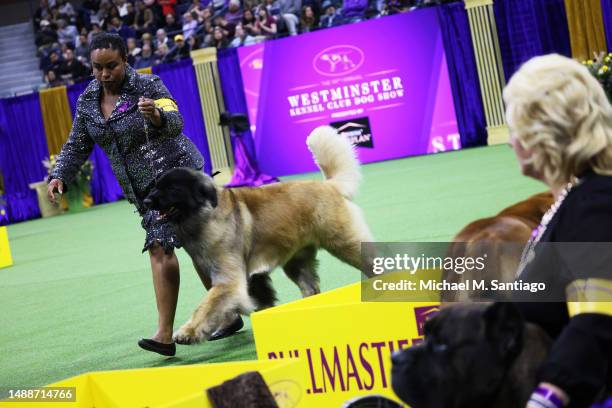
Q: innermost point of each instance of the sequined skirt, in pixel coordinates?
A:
(159, 231)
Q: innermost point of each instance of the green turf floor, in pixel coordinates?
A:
(80, 293)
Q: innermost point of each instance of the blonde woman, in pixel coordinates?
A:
(561, 131)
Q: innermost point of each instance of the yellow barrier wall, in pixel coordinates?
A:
(343, 345)
(5, 250)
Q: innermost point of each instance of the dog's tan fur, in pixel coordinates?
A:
(255, 230)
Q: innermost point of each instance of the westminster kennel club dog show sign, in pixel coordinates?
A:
(391, 98)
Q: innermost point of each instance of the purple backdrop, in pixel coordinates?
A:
(389, 73)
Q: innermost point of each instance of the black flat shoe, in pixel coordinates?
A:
(156, 347)
(227, 331)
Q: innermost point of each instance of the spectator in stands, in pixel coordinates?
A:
(113, 25)
(146, 58)
(41, 13)
(189, 25)
(144, 20)
(229, 28)
(46, 36)
(55, 16)
(118, 27)
(207, 31)
(241, 38)
(95, 29)
(66, 10)
(234, 12)
(147, 39)
(201, 12)
(72, 70)
(218, 7)
(353, 11)
(172, 26)
(331, 17)
(289, 11)
(130, 17)
(67, 34)
(249, 23)
(207, 14)
(52, 62)
(167, 6)
(133, 51)
(121, 7)
(102, 13)
(82, 49)
(308, 20)
(219, 39)
(273, 7)
(265, 23)
(161, 53)
(194, 42)
(180, 51)
(112, 13)
(162, 38)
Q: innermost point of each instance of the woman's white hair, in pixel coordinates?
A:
(558, 111)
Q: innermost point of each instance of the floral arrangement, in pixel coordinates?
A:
(601, 69)
(78, 191)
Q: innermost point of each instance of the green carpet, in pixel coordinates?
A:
(80, 294)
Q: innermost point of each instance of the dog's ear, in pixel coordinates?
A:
(207, 193)
(504, 327)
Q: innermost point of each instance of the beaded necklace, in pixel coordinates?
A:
(529, 250)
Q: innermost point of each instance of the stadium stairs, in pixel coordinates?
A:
(19, 73)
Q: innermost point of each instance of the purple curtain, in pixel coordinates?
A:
(180, 79)
(246, 169)
(606, 10)
(23, 146)
(104, 185)
(463, 74)
(528, 28)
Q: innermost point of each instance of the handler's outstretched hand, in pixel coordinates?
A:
(146, 106)
(54, 185)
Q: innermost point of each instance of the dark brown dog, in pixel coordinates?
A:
(475, 355)
(502, 238)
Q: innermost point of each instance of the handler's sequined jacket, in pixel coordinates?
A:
(135, 162)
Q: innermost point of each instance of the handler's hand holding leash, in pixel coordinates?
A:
(147, 107)
(55, 185)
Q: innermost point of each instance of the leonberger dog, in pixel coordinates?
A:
(239, 235)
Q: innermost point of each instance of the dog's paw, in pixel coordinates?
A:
(187, 335)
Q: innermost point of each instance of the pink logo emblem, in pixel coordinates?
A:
(338, 60)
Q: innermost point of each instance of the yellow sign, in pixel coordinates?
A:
(5, 249)
(172, 387)
(343, 345)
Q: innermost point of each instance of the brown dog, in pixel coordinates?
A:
(502, 238)
(240, 235)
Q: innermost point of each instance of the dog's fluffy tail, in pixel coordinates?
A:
(336, 157)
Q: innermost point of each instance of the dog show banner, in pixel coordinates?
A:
(344, 345)
(383, 84)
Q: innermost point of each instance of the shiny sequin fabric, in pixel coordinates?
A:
(135, 160)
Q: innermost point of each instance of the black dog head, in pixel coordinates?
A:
(463, 360)
(181, 192)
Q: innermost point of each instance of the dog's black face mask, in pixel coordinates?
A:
(181, 192)
(463, 360)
